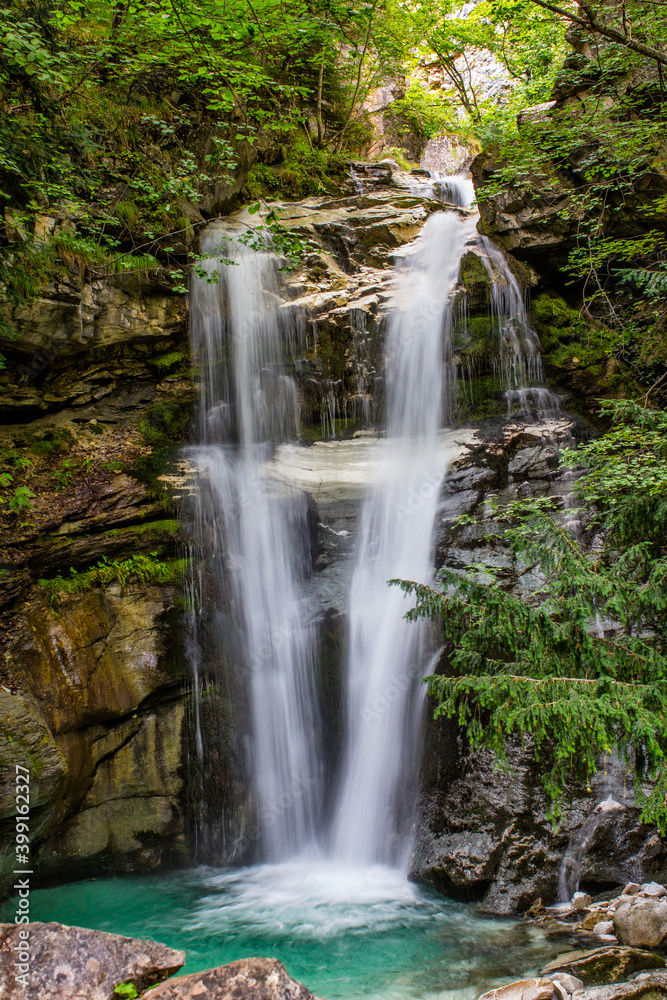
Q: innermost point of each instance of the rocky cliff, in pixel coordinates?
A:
(96, 401)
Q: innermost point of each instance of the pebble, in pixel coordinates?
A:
(571, 983)
(604, 927)
(560, 993)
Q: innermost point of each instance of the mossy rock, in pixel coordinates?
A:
(165, 424)
(553, 320)
(475, 338)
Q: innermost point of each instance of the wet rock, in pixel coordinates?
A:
(570, 983)
(604, 965)
(652, 986)
(604, 927)
(631, 889)
(74, 962)
(523, 989)
(654, 890)
(247, 979)
(581, 900)
(641, 923)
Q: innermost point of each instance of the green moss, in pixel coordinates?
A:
(127, 212)
(157, 529)
(146, 568)
(51, 441)
(165, 424)
(473, 271)
(166, 361)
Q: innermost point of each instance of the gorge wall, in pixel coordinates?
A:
(96, 402)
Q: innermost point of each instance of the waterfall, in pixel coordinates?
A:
(386, 654)
(256, 535)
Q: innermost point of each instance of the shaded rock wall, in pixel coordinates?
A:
(95, 398)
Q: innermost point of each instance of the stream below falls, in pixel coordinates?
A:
(344, 932)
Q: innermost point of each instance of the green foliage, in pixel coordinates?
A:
(127, 990)
(21, 499)
(580, 667)
(167, 361)
(147, 568)
(165, 424)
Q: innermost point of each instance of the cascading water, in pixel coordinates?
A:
(334, 904)
(386, 654)
(256, 535)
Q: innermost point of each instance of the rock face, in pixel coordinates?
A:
(604, 965)
(483, 832)
(247, 979)
(73, 962)
(94, 398)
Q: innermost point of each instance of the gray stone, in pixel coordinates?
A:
(570, 983)
(247, 979)
(74, 963)
(523, 989)
(604, 927)
(653, 889)
(653, 987)
(581, 900)
(631, 889)
(642, 923)
(604, 965)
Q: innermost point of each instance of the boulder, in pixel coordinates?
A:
(641, 923)
(74, 962)
(652, 987)
(604, 965)
(247, 979)
(523, 989)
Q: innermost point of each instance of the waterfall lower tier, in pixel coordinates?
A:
(386, 654)
(256, 539)
(258, 602)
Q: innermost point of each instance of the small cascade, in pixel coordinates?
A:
(519, 346)
(451, 189)
(387, 656)
(255, 539)
(573, 859)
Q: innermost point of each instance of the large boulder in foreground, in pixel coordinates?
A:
(641, 922)
(247, 979)
(523, 989)
(604, 965)
(74, 963)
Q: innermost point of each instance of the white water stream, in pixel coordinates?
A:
(256, 529)
(387, 655)
(261, 534)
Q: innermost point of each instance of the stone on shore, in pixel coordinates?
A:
(523, 989)
(74, 963)
(641, 923)
(247, 979)
(604, 965)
